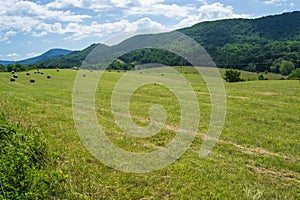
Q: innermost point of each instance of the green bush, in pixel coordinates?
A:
(286, 67)
(24, 170)
(295, 74)
(261, 77)
(232, 75)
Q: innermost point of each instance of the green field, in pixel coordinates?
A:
(257, 156)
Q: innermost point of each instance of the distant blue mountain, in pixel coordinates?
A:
(3, 62)
(51, 54)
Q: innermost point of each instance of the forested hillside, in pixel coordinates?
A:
(263, 44)
(252, 44)
(260, 44)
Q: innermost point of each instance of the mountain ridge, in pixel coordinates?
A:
(52, 53)
(233, 43)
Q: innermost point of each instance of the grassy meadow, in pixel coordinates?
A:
(257, 156)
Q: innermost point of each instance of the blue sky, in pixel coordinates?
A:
(31, 27)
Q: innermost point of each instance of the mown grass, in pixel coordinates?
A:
(257, 156)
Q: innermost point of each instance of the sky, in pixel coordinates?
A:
(31, 27)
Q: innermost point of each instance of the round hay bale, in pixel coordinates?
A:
(27, 73)
(15, 76)
(12, 72)
(57, 70)
(48, 76)
(42, 73)
(35, 72)
(84, 75)
(162, 74)
(32, 80)
(12, 79)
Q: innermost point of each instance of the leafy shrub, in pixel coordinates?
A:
(232, 75)
(295, 74)
(261, 77)
(286, 67)
(24, 170)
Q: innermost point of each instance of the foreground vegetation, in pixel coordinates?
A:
(257, 156)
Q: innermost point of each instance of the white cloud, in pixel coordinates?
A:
(208, 12)
(35, 34)
(32, 54)
(41, 12)
(274, 2)
(96, 29)
(121, 3)
(99, 5)
(166, 10)
(203, 1)
(65, 3)
(6, 35)
(27, 16)
(12, 55)
(282, 3)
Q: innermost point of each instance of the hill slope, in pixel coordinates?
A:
(74, 58)
(53, 53)
(239, 42)
(249, 44)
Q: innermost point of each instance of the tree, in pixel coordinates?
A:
(232, 75)
(2, 68)
(295, 74)
(286, 67)
(250, 67)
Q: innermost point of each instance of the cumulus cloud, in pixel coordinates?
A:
(166, 10)
(37, 11)
(27, 16)
(32, 54)
(6, 35)
(209, 12)
(274, 2)
(59, 16)
(282, 3)
(12, 55)
(99, 29)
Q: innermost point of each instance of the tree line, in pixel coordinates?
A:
(17, 67)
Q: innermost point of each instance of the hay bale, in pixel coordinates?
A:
(15, 76)
(12, 72)
(42, 73)
(162, 74)
(35, 72)
(48, 76)
(57, 70)
(84, 75)
(32, 80)
(27, 73)
(12, 79)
